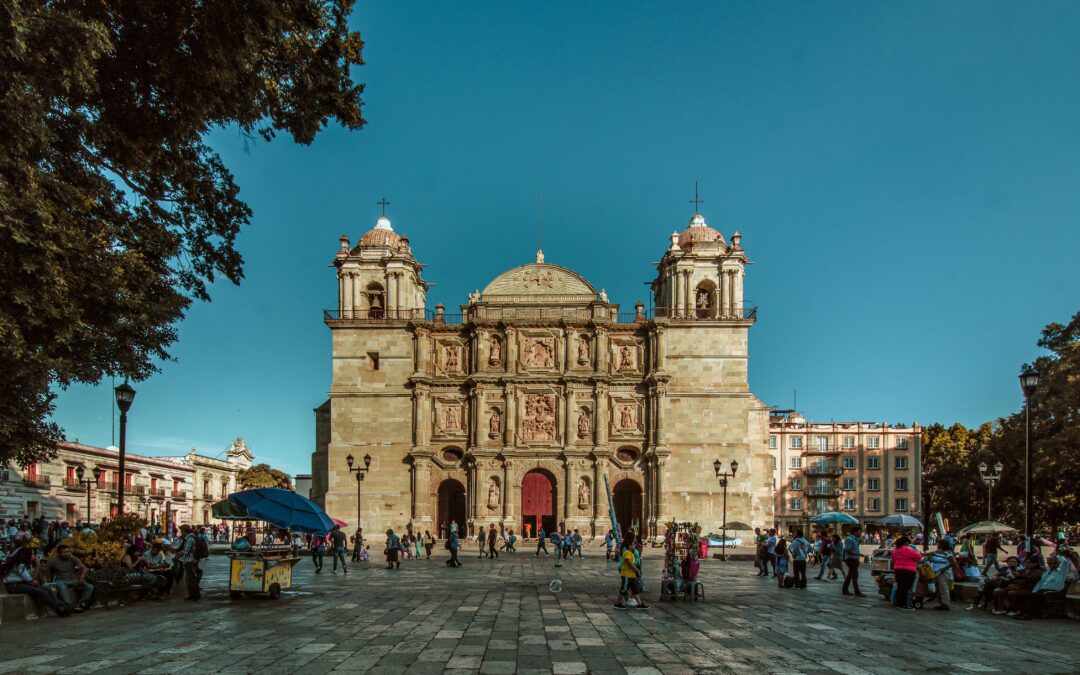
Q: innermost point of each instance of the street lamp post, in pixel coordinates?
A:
(989, 479)
(359, 471)
(79, 473)
(724, 476)
(125, 394)
(1029, 380)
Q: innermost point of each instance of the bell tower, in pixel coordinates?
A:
(701, 275)
(379, 278)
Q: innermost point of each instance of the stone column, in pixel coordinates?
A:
(688, 295)
(659, 348)
(423, 351)
(660, 398)
(475, 401)
(422, 415)
(570, 425)
(509, 415)
(600, 344)
(342, 282)
(731, 292)
(601, 422)
(473, 498)
(508, 492)
(738, 294)
(510, 350)
(568, 488)
(716, 304)
(721, 294)
(424, 497)
(677, 304)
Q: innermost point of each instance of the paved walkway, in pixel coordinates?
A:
(500, 617)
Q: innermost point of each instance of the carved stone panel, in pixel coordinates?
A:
(450, 358)
(627, 416)
(449, 419)
(538, 419)
(538, 352)
(626, 355)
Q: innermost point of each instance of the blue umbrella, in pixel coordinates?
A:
(833, 518)
(901, 520)
(285, 509)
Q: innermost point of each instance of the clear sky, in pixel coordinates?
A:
(904, 176)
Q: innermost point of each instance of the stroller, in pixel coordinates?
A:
(925, 585)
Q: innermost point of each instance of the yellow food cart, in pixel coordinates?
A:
(261, 570)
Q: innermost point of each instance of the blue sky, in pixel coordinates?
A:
(904, 176)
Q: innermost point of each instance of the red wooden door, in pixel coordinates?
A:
(536, 492)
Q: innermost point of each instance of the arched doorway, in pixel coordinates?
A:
(626, 498)
(451, 507)
(539, 502)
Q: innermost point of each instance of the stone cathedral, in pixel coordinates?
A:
(513, 408)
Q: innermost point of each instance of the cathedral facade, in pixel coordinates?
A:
(524, 405)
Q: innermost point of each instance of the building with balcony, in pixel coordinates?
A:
(154, 487)
(866, 469)
(179, 489)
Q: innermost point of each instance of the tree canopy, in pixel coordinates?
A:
(263, 476)
(114, 213)
(952, 455)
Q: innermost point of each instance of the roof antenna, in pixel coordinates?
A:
(539, 227)
(795, 404)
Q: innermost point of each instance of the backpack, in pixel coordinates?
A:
(201, 549)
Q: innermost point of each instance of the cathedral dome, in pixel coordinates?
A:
(381, 235)
(699, 232)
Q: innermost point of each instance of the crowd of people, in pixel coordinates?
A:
(37, 560)
(1038, 575)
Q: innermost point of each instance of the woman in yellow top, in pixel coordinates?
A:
(630, 576)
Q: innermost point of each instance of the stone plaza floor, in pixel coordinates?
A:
(500, 617)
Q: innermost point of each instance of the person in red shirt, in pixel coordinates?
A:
(905, 561)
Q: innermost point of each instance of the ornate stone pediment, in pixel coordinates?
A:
(539, 283)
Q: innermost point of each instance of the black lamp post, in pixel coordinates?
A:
(723, 476)
(79, 473)
(989, 479)
(125, 394)
(1029, 380)
(359, 471)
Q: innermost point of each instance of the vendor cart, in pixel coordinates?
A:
(261, 570)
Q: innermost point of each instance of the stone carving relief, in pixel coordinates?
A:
(494, 423)
(538, 422)
(451, 358)
(537, 279)
(495, 350)
(626, 417)
(627, 357)
(583, 350)
(584, 493)
(494, 494)
(539, 352)
(451, 417)
(583, 422)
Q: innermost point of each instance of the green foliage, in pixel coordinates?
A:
(951, 456)
(262, 476)
(121, 527)
(114, 214)
(93, 550)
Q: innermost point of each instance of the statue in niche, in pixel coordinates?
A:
(626, 416)
(583, 422)
(494, 495)
(626, 357)
(583, 350)
(452, 418)
(451, 357)
(584, 494)
(494, 423)
(495, 355)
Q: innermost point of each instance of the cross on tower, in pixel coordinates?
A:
(696, 201)
(383, 203)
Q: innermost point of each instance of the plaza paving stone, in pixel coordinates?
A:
(500, 617)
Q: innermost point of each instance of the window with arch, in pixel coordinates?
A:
(705, 299)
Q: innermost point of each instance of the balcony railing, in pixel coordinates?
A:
(815, 449)
(179, 495)
(157, 493)
(744, 313)
(36, 480)
(824, 492)
(74, 484)
(108, 485)
(136, 489)
(377, 316)
(823, 469)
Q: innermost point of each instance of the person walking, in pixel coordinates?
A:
(799, 548)
(493, 538)
(192, 573)
(905, 563)
(629, 576)
(556, 542)
(317, 547)
(429, 543)
(452, 545)
(541, 542)
(991, 549)
(337, 542)
(824, 554)
(392, 550)
(358, 544)
(578, 544)
(852, 554)
(481, 540)
(770, 551)
(609, 542)
(511, 542)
